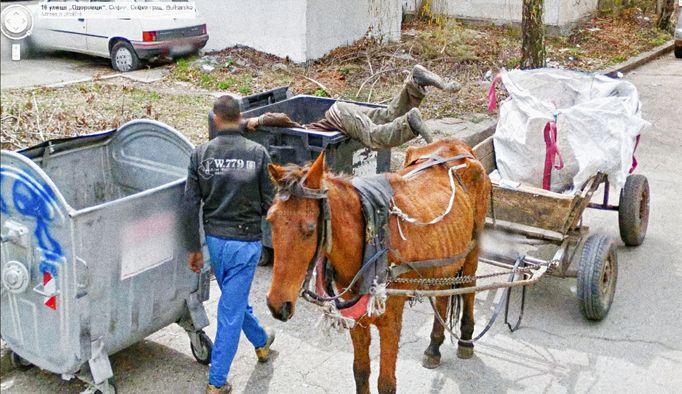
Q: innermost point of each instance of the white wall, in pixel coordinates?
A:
(333, 23)
(276, 27)
(300, 29)
(559, 13)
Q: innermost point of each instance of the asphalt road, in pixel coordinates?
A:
(637, 348)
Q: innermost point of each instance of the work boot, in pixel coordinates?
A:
(263, 353)
(225, 389)
(418, 126)
(423, 77)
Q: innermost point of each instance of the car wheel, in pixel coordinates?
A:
(633, 210)
(678, 52)
(124, 58)
(597, 276)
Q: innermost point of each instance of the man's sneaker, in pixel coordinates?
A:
(263, 353)
(225, 389)
(414, 119)
(423, 77)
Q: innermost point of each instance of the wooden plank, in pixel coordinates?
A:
(527, 231)
(533, 207)
(527, 205)
(485, 152)
(584, 200)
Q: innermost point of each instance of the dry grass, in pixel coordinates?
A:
(33, 115)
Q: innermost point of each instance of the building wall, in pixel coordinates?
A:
(558, 13)
(300, 29)
(334, 23)
(276, 27)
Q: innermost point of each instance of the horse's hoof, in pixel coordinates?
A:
(430, 362)
(465, 352)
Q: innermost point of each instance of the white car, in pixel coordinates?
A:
(126, 41)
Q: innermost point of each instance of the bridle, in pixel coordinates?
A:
(324, 245)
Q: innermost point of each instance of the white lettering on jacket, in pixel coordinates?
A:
(210, 167)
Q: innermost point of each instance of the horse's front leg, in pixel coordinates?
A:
(390, 325)
(361, 337)
(432, 353)
(466, 349)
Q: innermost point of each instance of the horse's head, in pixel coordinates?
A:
(295, 221)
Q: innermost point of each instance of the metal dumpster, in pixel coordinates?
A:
(93, 258)
(298, 146)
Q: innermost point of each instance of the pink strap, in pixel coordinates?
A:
(552, 150)
(492, 97)
(634, 159)
(319, 278)
(358, 310)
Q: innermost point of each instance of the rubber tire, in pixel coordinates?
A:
(598, 252)
(678, 52)
(136, 63)
(207, 343)
(633, 210)
(19, 362)
(112, 383)
(266, 257)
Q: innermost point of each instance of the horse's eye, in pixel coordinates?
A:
(308, 229)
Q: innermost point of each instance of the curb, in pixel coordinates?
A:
(640, 59)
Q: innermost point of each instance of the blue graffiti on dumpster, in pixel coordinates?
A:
(34, 200)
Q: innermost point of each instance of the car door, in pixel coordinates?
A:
(63, 33)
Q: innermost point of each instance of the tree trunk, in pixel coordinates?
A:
(665, 15)
(533, 32)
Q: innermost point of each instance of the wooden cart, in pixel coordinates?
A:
(556, 219)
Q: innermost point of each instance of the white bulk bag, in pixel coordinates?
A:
(597, 119)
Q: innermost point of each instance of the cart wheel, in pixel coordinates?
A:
(597, 276)
(203, 355)
(266, 256)
(110, 387)
(633, 211)
(19, 362)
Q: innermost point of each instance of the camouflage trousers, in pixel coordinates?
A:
(379, 128)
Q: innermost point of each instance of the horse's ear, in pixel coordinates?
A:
(276, 173)
(408, 156)
(316, 172)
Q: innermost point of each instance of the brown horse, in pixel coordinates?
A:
(294, 223)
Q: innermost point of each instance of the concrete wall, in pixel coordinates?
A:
(300, 29)
(334, 23)
(277, 27)
(558, 13)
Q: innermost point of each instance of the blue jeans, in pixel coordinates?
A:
(234, 264)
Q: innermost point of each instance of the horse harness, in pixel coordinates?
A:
(376, 195)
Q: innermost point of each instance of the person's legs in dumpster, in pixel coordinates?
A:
(228, 177)
(392, 126)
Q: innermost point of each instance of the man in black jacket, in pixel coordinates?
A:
(229, 175)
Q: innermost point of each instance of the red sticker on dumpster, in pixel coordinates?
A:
(51, 302)
(50, 287)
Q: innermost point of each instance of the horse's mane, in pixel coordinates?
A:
(293, 174)
(291, 177)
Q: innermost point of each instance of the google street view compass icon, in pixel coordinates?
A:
(16, 22)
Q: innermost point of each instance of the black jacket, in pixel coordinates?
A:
(229, 175)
